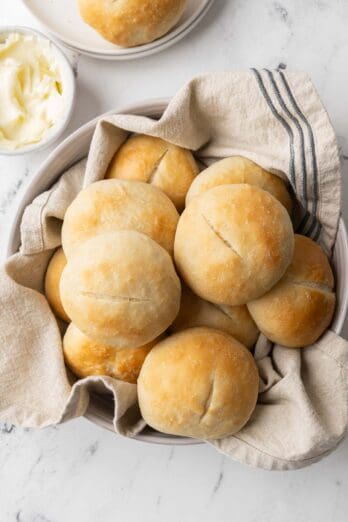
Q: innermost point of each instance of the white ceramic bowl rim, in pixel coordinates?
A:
(46, 176)
(69, 93)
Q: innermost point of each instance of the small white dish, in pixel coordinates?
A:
(63, 21)
(76, 147)
(69, 91)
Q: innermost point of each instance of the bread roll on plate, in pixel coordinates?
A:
(237, 169)
(234, 320)
(155, 161)
(233, 243)
(86, 357)
(111, 205)
(199, 383)
(300, 307)
(121, 289)
(52, 280)
(131, 22)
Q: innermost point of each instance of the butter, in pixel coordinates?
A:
(31, 90)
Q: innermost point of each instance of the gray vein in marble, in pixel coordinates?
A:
(133, 475)
(336, 499)
(219, 480)
(84, 457)
(8, 198)
(7, 428)
(35, 464)
(170, 457)
(92, 449)
(281, 12)
(218, 483)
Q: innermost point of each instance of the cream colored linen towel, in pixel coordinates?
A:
(273, 118)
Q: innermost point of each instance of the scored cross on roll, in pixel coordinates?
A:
(158, 162)
(233, 243)
(121, 289)
(198, 383)
(297, 310)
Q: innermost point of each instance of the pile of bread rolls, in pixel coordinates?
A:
(128, 23)
(175, 302)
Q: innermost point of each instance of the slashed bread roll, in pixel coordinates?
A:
(198, 383)
(155, 161)
(111, 205)
(131, 22)
(86, 357)
(233, 243)
(52, 279)
(234, 320)
(300, 307)
(238, 169)
(121, 289)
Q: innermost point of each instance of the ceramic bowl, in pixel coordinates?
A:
(69, 83)
(76, 147)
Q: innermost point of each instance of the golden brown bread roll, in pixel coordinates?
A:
(155, 161)
(131, 22)
(300, 307)
(86, 357)
(52, 279)
(199, 383)
(237, 169)
(233, 243)
(234, 320)
(111, 205)
(121, 289)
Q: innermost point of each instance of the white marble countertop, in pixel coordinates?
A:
(79, 472)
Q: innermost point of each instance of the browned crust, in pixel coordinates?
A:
(131, 22)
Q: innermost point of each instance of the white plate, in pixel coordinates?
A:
(75, 147)
(61, 18)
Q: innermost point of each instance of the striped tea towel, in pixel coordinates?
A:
(277, 120)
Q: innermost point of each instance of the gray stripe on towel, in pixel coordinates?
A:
(313, 154)
(284, 123)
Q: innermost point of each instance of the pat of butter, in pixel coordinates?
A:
(31, 100)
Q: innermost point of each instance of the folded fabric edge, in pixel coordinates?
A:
(243, 452)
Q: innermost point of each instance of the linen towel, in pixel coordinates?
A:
(277, 120)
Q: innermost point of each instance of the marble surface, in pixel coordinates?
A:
(77, 471)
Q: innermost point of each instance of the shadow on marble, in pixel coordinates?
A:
(88, 106)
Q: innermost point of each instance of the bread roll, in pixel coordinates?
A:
(86, 357)
(240, 170)
(198, 383)
(131, 22)
(121, 289)
(233, 243)
(111, 205)
(155, 161)
(234, 320)
(300, 307)
(52, 279)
